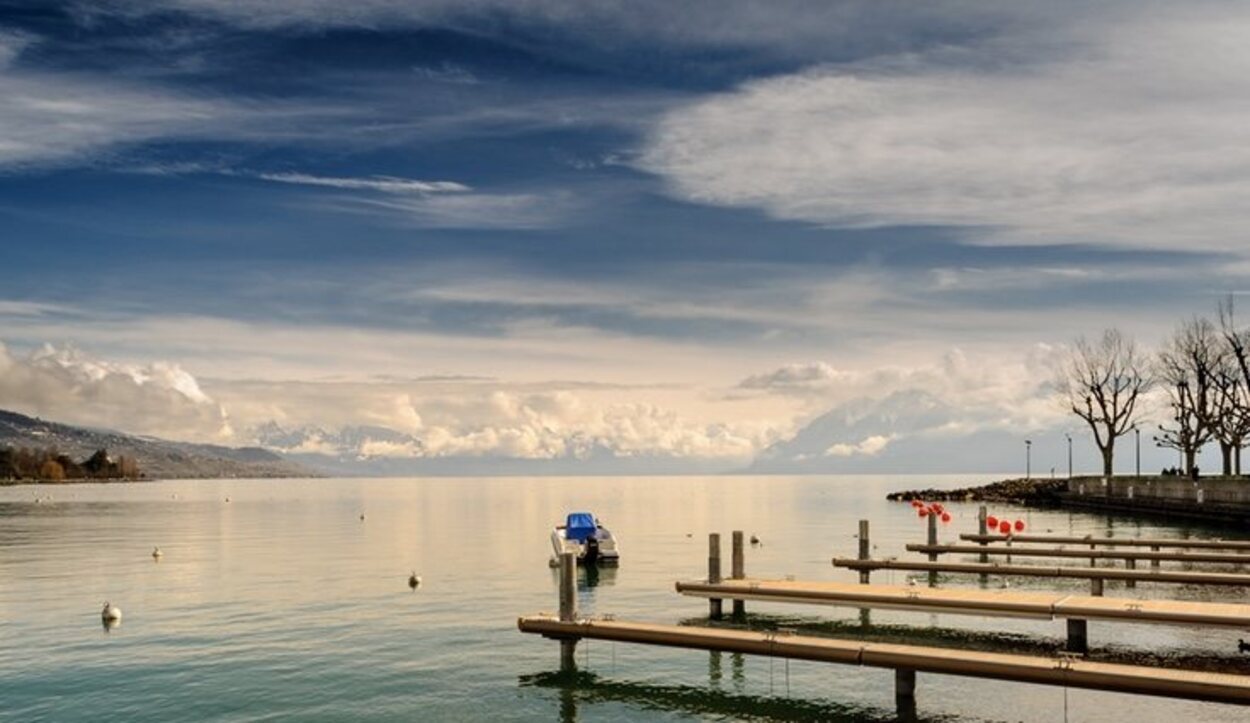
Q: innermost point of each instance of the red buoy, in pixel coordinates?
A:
(937, 507)
(1004, 527)
(992, 521)
(923, 512)
(1019, 525)
(946, 517)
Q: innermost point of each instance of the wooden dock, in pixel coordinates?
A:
(907, 660)
(995, 603)
(1133, 555)
(1181, 577)
(1153, 543)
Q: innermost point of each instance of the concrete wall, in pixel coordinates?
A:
(1161, 489)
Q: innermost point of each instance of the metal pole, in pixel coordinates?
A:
(982, 529)
(933, 541)
(1069, 454)
(863, 551)
(738, 564)
(568, 609)
(1028, 459)
(1137, 434)
(713, 573)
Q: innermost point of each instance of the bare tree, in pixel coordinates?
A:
(1231, 423)
(1191, 366)
(1237, 343)
(1102, 382)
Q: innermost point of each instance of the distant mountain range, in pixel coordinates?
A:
(157, 458)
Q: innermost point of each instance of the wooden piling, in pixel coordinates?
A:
(738, 571)
(865, 551)
(714, 607)
(905, 693)
(1130, 564)
(1095, 586)
(1078, 636)
(1154, 563)
(933, 541)
(568, 609)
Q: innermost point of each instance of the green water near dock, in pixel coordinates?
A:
(283, 604)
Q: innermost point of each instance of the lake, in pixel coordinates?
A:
(283, 604)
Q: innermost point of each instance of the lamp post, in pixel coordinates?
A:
(1028, 459)
(1137, 435)
(1069, 436)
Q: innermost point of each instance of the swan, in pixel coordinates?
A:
(156, 553)
(414, 580)
(111, 613)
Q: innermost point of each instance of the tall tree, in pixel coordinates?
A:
(1191, 365)
(1102, 382)
(1237, 343)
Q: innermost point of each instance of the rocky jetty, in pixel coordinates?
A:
(1018, 491)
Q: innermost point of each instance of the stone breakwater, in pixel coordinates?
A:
(1018, 491)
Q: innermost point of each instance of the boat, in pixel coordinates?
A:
(583, 535)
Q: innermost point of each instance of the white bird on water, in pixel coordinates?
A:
(111, 613)
(414, 580)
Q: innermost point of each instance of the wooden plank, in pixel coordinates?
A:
(965, 601)
(1204, 544)
(1082, 554)
(1184, 577)
(1073, 673)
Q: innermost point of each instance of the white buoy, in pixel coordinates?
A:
(111, 613)
(414, 580)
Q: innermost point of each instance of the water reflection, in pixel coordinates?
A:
(588, 689)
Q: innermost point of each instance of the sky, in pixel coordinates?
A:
(559, 230)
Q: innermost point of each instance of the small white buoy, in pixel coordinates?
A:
(156, 553)
(414, 580)
(111, 613)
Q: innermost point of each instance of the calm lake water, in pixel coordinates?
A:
(282, 604)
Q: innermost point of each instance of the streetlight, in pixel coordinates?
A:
(1069, 436)
(1137, 434)
(1028, 459)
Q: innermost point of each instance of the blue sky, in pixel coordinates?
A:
(505, 228)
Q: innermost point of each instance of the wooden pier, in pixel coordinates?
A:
(994, 603)
(1153, 543)
(1180, 577)
(1128, 555)
(907, 660)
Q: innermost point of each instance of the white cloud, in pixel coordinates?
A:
(868, 447)
(384, 184)
(792, 376)
(66, 385)
(1136, 135)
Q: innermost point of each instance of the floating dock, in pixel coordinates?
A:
(1182, 577)
(1154, 543)
(907, 660)
(1037, 605)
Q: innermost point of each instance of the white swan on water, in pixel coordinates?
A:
(111, 613)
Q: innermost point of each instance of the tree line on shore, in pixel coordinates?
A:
(1203, 369)
(49, 465)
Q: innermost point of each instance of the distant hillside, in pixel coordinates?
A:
(156, 458)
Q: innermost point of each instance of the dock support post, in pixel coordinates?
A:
(1095, 587)
(1093, 561)
(1154, 562)
(905, 694)
(568, 609)
(933, 541)
(864, 551)
(1130, 564)
(982, 530)
(1078, 636)
(738, 571)
(714, 609)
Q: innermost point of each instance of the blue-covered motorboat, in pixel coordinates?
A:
(583, 535)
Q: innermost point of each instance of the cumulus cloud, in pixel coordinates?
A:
(67, 385)
(1133, 135)
(802, 376)
(868, 447)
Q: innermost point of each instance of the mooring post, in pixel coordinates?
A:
(1078, 636)
(983, 529)
(1154, 562)
(1095, 586)
(1130, 564)
(714, 609)
(568, 609)
(739, 570)
(1093, 561)
(905, 693)
(933, 541)
(864, 551)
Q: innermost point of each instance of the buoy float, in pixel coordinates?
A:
(946, 517)
(992, 521)
(1019, 525)
(923, 512)
(1004, 527)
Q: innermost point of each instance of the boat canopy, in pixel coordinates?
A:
(579, 526)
